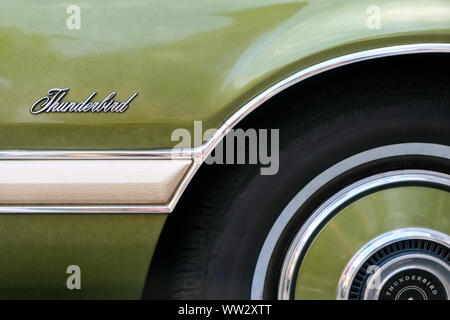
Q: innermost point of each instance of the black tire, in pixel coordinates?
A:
(217, 232)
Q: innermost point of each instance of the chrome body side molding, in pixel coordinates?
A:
(190, 160)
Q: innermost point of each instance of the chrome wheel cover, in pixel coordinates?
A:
(312, 225)
(310, 228)
(402, 262)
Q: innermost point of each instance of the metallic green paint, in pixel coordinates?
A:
(362, 221)
(113, 252)
(189, 60)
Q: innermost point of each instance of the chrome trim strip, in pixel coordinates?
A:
(95, 155)
(379, 242)
(85, 209)
(312, 71)
(199, 154)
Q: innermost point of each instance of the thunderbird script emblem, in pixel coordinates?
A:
(53, 102)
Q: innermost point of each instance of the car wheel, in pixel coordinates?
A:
(363, 187)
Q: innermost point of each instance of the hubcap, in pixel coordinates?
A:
(406, 264)
(408, 208)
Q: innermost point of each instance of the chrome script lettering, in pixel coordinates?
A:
(53, 102)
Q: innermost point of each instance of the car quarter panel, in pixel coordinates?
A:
(112, 253)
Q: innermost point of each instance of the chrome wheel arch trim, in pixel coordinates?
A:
(311, 71)
(421, 149)
(200, 153)
(357, 261)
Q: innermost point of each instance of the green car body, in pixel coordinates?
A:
(187, 60)
(191, 61)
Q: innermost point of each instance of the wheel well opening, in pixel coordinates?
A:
(372, 78)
